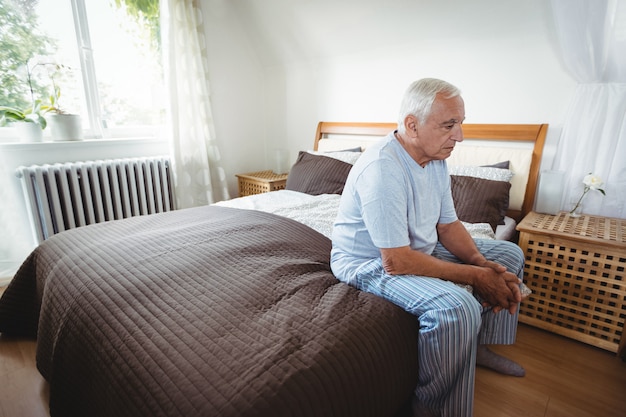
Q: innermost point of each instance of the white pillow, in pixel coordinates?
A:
(348, 156)
(487, 173)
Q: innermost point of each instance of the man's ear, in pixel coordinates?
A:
(410, 125)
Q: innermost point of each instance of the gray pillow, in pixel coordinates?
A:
(478, 200)
(316, 174)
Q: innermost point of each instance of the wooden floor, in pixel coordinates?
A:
(564, 378)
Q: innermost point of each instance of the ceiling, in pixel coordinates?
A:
(288, 31)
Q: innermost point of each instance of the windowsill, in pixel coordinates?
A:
(9, 138)
(15, 154)
(87, 143)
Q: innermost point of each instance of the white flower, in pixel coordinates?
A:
(591, 182)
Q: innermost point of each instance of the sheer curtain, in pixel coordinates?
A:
(199, 176)
(592, 35)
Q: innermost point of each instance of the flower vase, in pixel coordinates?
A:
(65, 127)
(576, 208)
(29, 132)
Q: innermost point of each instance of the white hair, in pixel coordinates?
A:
(419, 98)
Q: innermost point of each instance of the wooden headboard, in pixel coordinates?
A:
(483, 144)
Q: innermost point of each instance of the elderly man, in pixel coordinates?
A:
(397, 236)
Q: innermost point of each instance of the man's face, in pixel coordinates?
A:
(437, 137)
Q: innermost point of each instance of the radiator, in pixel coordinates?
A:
(64, 196)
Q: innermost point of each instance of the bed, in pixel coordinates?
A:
(231, 309)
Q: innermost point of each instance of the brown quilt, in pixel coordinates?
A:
(209, 311)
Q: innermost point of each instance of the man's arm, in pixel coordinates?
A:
(455, 237)
(496, 286)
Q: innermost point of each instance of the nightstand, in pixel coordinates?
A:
(575, 268)
(260, 182)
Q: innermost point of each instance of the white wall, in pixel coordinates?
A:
(280, 66)
(237, 89)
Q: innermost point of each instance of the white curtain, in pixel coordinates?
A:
(592, 35)
(199, 176)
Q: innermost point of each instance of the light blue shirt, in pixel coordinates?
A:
(389, 201)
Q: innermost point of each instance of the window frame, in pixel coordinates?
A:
(88, 68)
(97, 126)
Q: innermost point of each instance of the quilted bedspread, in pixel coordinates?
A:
(210, 311)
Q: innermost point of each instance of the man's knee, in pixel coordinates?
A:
(516, 250)
(456, 310)
(505, 253)
(469, 311)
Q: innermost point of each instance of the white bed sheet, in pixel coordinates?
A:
(319, 212)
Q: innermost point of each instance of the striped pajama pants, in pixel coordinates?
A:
(452, 322)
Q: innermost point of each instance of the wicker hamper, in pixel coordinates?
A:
(575, 268)
(260, 182)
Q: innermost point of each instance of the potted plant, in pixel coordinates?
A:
(28, 122)
(64, 126)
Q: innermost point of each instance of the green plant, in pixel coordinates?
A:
(32, 114)
(53, 100)
(53, 105)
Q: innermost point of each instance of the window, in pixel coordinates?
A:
(104, 57)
